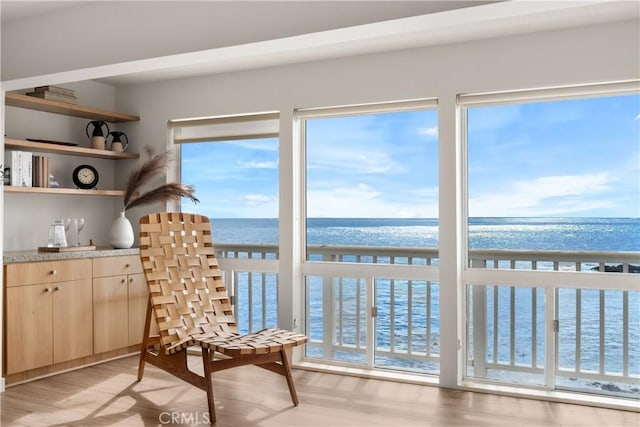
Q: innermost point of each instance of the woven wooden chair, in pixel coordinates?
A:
(192, 308)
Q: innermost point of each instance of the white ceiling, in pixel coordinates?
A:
(12, 10)
(450, 26)
(443, 24)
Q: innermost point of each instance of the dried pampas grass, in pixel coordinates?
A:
(144, 174)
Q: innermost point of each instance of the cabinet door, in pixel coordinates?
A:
(72, 320)
(110, 313)
(28, 327)
(138, 297)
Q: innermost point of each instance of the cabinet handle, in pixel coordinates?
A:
(47, 289)
(52, 272)
(123, 281)
(57, 288)
(127, 265)
(131, 280)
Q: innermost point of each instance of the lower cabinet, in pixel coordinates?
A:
(119, 303)
(50, 321)
(77, 311)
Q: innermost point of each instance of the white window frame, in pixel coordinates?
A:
(233, 127)
(549, 280)
(353, 270)
(230, 127)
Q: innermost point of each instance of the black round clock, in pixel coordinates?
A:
(85, 177)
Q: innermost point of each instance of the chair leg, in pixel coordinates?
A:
(206, 362)
(289, 377)
(145, 341)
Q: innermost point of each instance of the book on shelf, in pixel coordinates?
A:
(41, 177)
(16, 168)
(27, 158)
(36, 172)
(45, 172)
(55, 89)
(27, 166)
(40, 171)
(55, 97)
(21, 169)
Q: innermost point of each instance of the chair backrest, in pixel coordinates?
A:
(187, 290)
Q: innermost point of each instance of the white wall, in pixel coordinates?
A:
(581, 55)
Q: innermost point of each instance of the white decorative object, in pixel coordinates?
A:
(121, 235)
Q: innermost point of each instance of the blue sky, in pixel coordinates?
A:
(380, 166)
(561, 158)
(235, 179)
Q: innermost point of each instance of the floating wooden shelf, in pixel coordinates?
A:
(70, 191)
(57, 107)
(66, 150)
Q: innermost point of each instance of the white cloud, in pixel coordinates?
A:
(258, 165)
(432, 131)
(637, 117)
(362, 201)
(550, 195)
(262, 145)
(355, 159)
(256, 199)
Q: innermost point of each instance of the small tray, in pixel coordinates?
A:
(66, 249)
(48, 141)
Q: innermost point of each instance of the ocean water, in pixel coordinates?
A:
(580, 234)
(571, 234)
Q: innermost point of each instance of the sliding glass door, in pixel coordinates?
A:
(553, 236)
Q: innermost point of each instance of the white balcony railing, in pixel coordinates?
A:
(507, 323)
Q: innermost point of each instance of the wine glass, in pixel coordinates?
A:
(67, 227)
(79, 225)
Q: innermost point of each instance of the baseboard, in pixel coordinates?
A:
(71, 365)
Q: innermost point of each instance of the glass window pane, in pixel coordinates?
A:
(549, 176)
(407, 325)
(505, 334)
(372, 181)
(599, 341)
(336, 319)
(237, 184)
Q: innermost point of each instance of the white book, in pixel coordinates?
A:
(16, 168)
(27, 169)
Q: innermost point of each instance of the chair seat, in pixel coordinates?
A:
(262, 342)
(265, 341)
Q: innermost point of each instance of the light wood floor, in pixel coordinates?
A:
(108, 395)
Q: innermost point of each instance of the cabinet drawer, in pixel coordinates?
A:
(116, 265)
(29, 273)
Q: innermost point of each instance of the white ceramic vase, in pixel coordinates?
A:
(121, 235)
